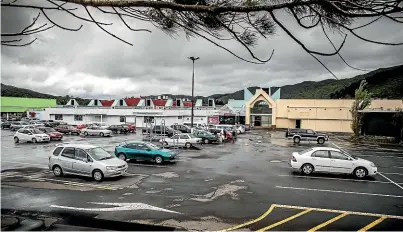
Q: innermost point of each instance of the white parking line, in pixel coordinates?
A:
(338, 191)
(393, 173)
(390, 180)
(331, 178)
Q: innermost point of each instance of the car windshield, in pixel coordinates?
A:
(36, 131)
(99, 154)
(153, 146)
(50, 130)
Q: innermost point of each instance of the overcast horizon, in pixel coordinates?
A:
(92, 64)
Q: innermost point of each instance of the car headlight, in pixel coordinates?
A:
(111, 167)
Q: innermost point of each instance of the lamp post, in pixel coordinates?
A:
(193, 87)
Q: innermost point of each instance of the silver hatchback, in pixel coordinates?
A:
(85, 160)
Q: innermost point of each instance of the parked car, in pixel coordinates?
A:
(85, 160)
(206, 137)
(119, 129)
(144, 151)
(5, 125)
(241, 129)
(30, 135)
(198, 125)
(92, 130)
(181, 140)
(160, 130)
(298, 135)
(17, 125)
(53, 134)
(332, 160)
(131, 127)
(67, 129)
(181, 128)
(100, 124)
(36, 123)
(82, 126)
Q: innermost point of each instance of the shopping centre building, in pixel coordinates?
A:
(263, 108)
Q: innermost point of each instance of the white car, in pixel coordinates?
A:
(96, 131)
(182, 140)
(30, 135)
(36, 123)
(241, 129)
(101, 125)
(331, 160)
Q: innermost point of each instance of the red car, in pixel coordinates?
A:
(82, 126)
(132, 128)
(53, 134)
(67, 129)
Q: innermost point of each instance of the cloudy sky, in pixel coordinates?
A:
(91, 63)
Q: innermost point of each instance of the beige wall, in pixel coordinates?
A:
(331, 115)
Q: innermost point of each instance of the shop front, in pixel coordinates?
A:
(260, 111)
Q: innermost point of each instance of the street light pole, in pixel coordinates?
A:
(193, 86)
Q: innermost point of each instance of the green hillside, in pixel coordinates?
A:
(382, 83)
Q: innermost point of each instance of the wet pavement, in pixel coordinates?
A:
(245, 185)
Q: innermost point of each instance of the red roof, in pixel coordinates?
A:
(107, 102)
(159, 102)
(187, 104)
(132, 101)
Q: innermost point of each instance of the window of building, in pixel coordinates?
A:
(122, 119)
(59, 117)
(148, 102)
(95, 102)
(121, 102)
(178, 102)
(210, 102)
(148, 119)
(180, 117)
(72, 102)
(261, 107)
(78, 117)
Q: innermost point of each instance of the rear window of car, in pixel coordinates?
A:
(57, 151)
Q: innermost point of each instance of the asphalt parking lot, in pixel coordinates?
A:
(240, 186)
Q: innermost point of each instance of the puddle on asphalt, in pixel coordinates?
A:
(227, 189)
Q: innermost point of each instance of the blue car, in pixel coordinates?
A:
(144, 151)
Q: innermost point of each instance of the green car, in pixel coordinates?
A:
(207, 137)
(144, 151)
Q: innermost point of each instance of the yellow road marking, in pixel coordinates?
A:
(253, 221)
(339, 211)
(285, 220)
(327, 222)
(372, 224)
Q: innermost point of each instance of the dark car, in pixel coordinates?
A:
(118, 129)
(53, 134)
(67, 129)
(298, 135)
(207, 137)
(5, 124)
(181, 128)
(160, 130)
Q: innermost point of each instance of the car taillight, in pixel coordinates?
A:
(293, 159)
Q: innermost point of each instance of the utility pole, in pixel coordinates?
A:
(193, 86)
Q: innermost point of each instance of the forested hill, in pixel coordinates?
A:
(382, 83)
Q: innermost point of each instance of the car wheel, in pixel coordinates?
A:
(97, 175)
(188, 145)
(122, 156)
(57, 170)
(360, 172)
(321, 140)
(34, 140)
(159, 159)
(297, 140)
(85, 133)
(101, 134)
(206, 141)
(16, 140)
(165, 143)
(307, 169)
